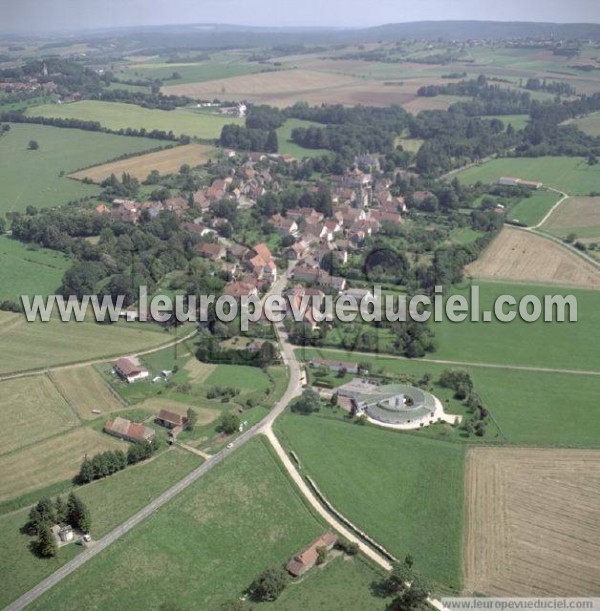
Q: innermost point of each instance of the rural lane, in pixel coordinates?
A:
(265, 427)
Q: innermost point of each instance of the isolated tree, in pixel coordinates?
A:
(269, 584)
(46, 543)
(192, 417)
(307, 403)
(398, 578)
(229, 423)
(267, 354)
(2, 225)
(33, 145)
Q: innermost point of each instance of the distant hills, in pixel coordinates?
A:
(229, 36)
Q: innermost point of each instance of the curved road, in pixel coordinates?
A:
(265, 427)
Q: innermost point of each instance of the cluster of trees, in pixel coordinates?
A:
(307, 403)
(249, 138)
(225, 392)
(408, 587)
(210, 350)
(229, 423)
(461, 383)
(556, 87)
(106, 463)
(127, 255)
(453, 140)
(46, 513)
(349, 131)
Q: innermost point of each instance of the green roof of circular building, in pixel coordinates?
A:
(388, 403)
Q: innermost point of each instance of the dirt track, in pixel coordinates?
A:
(532, 520)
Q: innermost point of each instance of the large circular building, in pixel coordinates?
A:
(396, 404)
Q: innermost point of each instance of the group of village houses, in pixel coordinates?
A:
(361, 203)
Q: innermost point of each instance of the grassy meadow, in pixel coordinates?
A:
(525, 405)
(239, 519)
(287, 147)
(531, 210)
(41, 345)
(116, 115)
(39, 177)
(570, 174)
(567, 345)
(29, 270)
(111, 501)
(405, 492)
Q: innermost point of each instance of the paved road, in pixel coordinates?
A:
(263, 427)
(294, 388)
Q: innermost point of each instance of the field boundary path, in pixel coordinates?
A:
(95, 361)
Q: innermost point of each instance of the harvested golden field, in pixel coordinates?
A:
(521, 256)
(285, 88)
(85, 390)
(33, 410)
(205, 415)
(578, 215)
(532, 520)
(54, 460)
(167, 161)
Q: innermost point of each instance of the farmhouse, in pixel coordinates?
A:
(130, 431)
(346, 366)
(170, 420)
(305, 560)
(131, 369)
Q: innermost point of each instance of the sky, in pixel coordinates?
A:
(33, 16)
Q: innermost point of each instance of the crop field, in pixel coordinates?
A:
(578, 215)
(520, 256)
(35, 410)
(531, 210)
(111, 500)
(507, 552)
(286, 87)
(188, 72)
(213, 531)
(407, 494)
(590, 124)
(165, 162)
(525, 404)
(40, 345)
(53, 460)
(116, 115)
(85, 391)
(569, 174)
(29, 270)
(39, 177)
